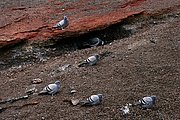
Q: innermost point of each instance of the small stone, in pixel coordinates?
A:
(64, 67)
(176, 15)
(152, 41)
(31, 89)
(2, 63)
(87, 112)
(73, 91)
(74, 102)
(154, 22)
(36, 81)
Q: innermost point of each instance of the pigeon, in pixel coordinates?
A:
(62, 24)
(92, 60)
(51, 88)
(92, 100)
(93, 42)
(146, 102)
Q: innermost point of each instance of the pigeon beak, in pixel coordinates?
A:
(102, 43)
(153, 97)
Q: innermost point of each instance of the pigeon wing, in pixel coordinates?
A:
(52, 88)
(65, 23)
(59, 24)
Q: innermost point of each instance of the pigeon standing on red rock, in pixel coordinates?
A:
(62, 24)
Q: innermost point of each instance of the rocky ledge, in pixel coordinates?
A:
(32, 21)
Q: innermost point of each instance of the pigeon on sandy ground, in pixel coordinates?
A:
(51, 88)
(92, 60)
(92, 100)
(146, 102)
(62, 24)
(93, 42)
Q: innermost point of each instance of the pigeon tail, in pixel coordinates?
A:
(136, 103)
(82, 64)
(43, 92)
(105, 54)
(55, 26)
(85, 103)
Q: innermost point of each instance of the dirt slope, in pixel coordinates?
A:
(145, 63)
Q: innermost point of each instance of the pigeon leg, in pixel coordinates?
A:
(52, 96)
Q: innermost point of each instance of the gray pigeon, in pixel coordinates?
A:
(92, 60)
(62, 24)
(51, 88)
(146, 102)
(93, 42)
(92, 100)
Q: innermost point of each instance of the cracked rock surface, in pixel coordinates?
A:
(27, 20)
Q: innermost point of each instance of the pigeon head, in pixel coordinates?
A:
(57, 82)
(65, 17)
(97, 56)
(100, 96)
(153, 98)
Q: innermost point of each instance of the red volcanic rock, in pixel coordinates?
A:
(21, 20)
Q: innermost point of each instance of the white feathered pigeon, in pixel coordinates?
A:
(92, 60)
(51, 88)
(62, 24)
(93, 42)
(146, 102)
(92, 100)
